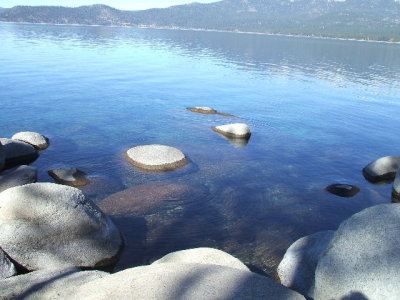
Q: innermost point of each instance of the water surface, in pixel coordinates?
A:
(319, 110)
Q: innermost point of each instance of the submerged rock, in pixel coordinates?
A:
(35, 139)
(184, 281)
(18, 153)
(208, 256)
(156, 157)
(147, 196)
(47, 284)
(236, 130)
(382, 169)
(202, 110)
(7, 268)
(46, 225)
(297, 268)
(69, 176)
(343, 190)
(363, 259)
(17, 176)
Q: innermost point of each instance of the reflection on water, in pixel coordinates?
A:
(319, 111)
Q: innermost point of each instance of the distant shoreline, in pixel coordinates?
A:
(210, 30)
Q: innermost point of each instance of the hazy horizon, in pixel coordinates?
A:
(123, 5)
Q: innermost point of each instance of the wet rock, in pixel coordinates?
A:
(18, 153)
(396, 188)
(343, 190)
(35, 139)
(69, 176)
(382, 169)
(297, 268)
(202, 110)
(2, 157)
(18, 176)
(208, 256)
(7, 268)
(47, 284)
(156, 157)
(363, 258)
(184, 281)
(236, 130)
(101, 187)
(46, 225)
(148, 196)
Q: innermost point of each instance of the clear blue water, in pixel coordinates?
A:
(319, 110)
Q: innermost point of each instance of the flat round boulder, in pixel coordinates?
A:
(184, 281)
(35, 139)
(382, 169)
(362, 260)
(208, 256)
(47, 225)
(202, 110)
(17, 176)
(297, 268)
(46, 284)
(18, 153)
(156, 157)
(343, 190)
(69, 176)
(235, 130)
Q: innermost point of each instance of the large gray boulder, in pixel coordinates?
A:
(18, 153)
(47, 284)
(46, 225)
(184, 281)
(156, 157)
(363, 259)
(35, 139)
(297, 268)
(382, 169)
(18, 176)
(2, 157)
(207, 256)
(7, 268)
(236, 130)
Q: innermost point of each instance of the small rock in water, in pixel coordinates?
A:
(7, 268)
(35, 139)
(17, 176)
(202, 110)
(2, 157)
(18, 153)
(343, 190)
(236, 130)
(297, 268)
(156, 157)
(69, 176)
(47, 225)
(382, 169)
(396, 188)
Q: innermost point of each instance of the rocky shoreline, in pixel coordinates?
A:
(55, 243)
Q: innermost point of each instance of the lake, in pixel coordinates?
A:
(319, 111)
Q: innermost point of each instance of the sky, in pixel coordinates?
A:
(120, 4)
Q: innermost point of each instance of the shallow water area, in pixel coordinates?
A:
(319, 111)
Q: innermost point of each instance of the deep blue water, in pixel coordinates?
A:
(319, 110)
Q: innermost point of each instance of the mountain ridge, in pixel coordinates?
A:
(358, 19)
